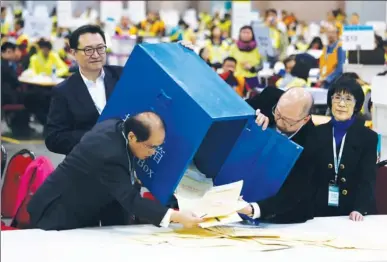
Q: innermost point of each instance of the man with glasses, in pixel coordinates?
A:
(291, 117)
(79, 100)
(96, 184)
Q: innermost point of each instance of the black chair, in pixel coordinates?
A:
(3, 159)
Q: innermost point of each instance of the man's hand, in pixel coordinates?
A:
(356, 216)
(261, 119)
(246, 65)
(187, 44)
(248, 210)
(187, 219)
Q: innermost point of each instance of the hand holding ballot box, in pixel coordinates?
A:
(206, 122)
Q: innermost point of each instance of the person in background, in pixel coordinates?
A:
(96, 184)
(346, 166)
(18, 121)
(151, 26)
(355, 19)
(316, 44)
(46, 60)
(225, 24)
(177, 33)
(385, 50)
(238, 83)
(291, 116)
(125, 28)
(275, 35)
(332, 59)
(18, 35)
(245, 51)
(205, 55)
(217, 49)
(298, 76)
(5, 26)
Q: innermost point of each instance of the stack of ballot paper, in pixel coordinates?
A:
(218, 205)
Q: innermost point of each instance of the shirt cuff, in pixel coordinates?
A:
(256, 211)
(167, 219)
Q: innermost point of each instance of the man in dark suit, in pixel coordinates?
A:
(291, 116)
(78, 101)
(97, 183)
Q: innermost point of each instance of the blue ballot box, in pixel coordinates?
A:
(263, 159)
(203, 115)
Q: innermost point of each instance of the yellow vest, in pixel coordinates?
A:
(217, 53)
(40, 65)
(328, 62)
(253, 58)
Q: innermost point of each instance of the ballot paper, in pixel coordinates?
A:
(193, 184)
(219, 201)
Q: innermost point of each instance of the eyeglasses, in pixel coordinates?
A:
(287, 121)
(89, 51)
(347, 99)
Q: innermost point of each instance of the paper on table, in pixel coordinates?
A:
(193, 184)
(219, 201)
(217, 221)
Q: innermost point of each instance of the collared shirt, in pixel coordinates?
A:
(96, 90)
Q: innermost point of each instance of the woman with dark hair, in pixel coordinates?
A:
(346, 166)
(316, 44)
(217, 48)
(298, 76)
(245, 51)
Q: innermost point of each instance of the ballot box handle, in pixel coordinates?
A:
(164, 98)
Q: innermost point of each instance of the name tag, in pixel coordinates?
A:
(333, 196)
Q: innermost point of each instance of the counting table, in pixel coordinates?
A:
(113, 244)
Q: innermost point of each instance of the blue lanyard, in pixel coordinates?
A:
(337, 159)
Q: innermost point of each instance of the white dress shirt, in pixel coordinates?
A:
(256, 210)
(97, 91)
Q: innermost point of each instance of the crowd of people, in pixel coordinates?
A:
(334, 176)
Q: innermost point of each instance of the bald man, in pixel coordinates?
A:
(293, 202)
(96, 184)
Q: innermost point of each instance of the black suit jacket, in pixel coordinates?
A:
(357, 171)
(293, 202)
(72, 110)
(93, 183)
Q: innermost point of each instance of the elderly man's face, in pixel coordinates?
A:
(145, 149)
(289, 117)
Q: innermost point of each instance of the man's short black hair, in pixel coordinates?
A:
(3, 8)
(347, 85)
(45, 44)
(141, 129)
(7, 45)
(92, 29)
(231, 59)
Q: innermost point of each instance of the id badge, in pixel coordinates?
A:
(333, 196)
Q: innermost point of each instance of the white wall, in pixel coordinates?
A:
(368, 10)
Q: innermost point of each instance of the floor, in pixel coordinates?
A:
(36, 146)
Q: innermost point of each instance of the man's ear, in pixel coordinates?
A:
(72, 51)
(132, 137)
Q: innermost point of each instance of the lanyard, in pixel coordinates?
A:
(131, 168)
(337, 159)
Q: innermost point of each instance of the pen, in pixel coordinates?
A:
(203, 215)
